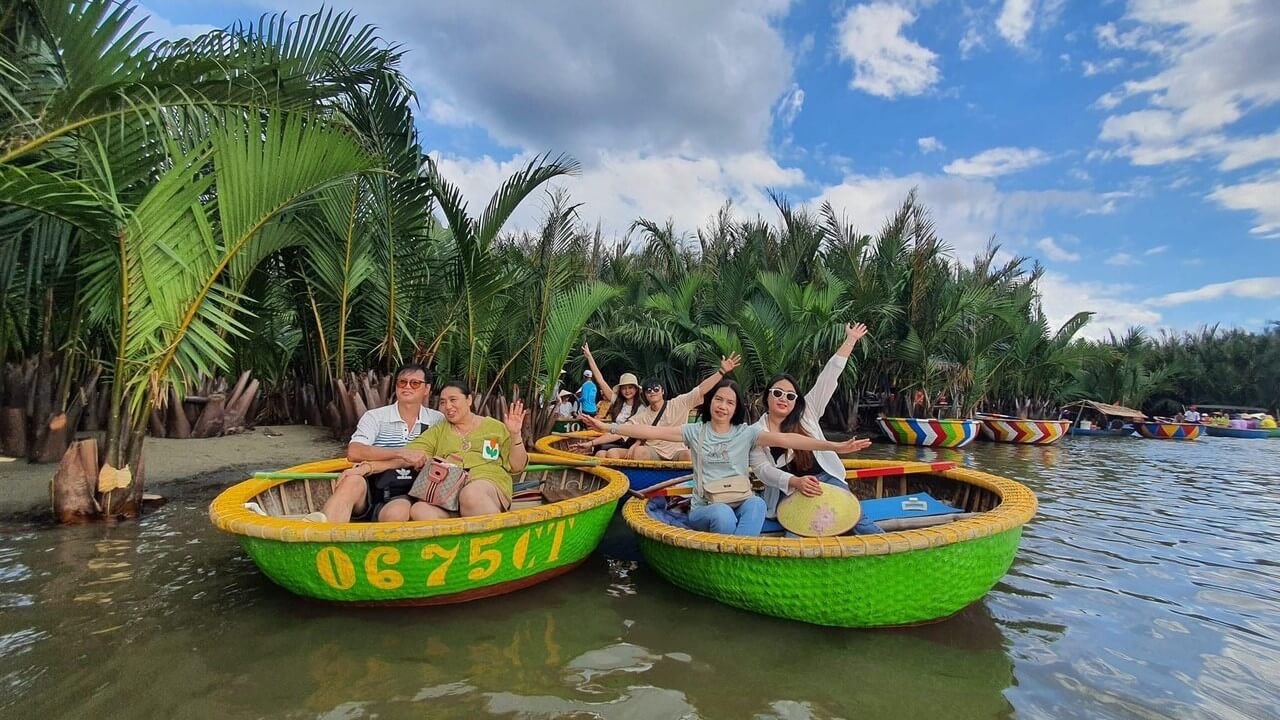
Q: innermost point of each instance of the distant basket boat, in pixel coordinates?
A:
(1249, 433)
(895, 578)
(929, 432)
(1156, 430)
(1003, 428)
(640, 473)
(1104, 412)
(422, 562)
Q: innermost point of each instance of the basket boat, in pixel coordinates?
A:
(1250, 433)
(896, 578)
(640, 473)
(929, 432)
(420, 562)
(1002, 428)
(1156, 430)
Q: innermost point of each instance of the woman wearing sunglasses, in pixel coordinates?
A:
(720, 445)
(786, 411)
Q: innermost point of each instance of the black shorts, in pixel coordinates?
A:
(384, 487)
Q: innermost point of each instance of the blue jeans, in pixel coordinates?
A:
(746, 519)
(864, 526)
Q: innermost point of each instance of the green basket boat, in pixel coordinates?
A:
(423, 562)
(896, 578)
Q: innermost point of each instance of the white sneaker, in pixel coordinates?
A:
(317, 517)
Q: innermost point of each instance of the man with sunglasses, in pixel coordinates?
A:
(382, 434)
(661, 412)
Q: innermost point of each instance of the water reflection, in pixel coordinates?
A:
(1146, 587)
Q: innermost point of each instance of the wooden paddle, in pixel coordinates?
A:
(645, 493)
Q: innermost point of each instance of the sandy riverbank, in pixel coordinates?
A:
(24, 487)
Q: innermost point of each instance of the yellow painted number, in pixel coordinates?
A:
(383, 578)
(491, 558)
(433, 551)
(335, 568)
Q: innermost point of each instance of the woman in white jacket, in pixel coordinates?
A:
(785, 471)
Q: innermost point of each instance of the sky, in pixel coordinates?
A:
(1132, 147)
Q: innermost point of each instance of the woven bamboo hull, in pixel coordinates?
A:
(415, 563)
(1024, 432)
(896, 578)
(640, 473)
(929, 432)
(1168, 431)
(1254, 434)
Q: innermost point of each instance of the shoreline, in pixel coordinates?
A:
(24, 487)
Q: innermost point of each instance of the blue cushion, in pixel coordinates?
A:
(657, 509)
(771, 525)
(918, 505)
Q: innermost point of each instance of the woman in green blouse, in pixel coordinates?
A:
(490, 450)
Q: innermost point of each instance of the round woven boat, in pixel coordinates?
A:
(1168, 430)
(1002, 428)
(929, 432)
(895, 578)
(1243, 433)
(640, 473)
(548, 531)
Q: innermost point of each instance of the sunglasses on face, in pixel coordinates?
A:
(783, 394)
(415, 384)
(653, 389)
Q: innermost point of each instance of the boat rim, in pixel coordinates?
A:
(229, 514)
(545, 443)
(1017, 506)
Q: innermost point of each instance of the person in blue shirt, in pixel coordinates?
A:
(588, 393)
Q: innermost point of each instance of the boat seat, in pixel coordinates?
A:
(906, 506)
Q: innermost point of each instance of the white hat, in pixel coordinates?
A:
(586, 373)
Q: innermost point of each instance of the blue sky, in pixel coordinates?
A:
(1133, 147)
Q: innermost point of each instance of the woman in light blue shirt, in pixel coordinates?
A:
(721, 445)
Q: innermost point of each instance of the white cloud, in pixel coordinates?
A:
(1054, 251)
(967, 212)
(1157, 250)
(618, 188)
(1260, 196)
(790, 105)
(1259, 288)
(161, 28)
(929, 144)
(664, 76)
(885, 62)
(1015, 21)
(996, 162)
(1218, 61)
(1121, 260)
(1062, 297)
(1107, 66)
(971, 41)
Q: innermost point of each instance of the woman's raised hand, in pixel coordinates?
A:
(853, 332)
(593, 422)
(853, 445)
(729, 364)
(514, 419)
(586, 351)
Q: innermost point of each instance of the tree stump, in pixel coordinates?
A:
(13, 432)
(54, 440)
(75, 482)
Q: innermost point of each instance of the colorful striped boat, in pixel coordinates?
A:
(1156, 430)
(1247, 433)
(1003, 428)
(428, 562)
(895, 578)
(929, 432)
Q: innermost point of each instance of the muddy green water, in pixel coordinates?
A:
(1148, 586)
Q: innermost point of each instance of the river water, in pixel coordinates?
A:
(1148, 586)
